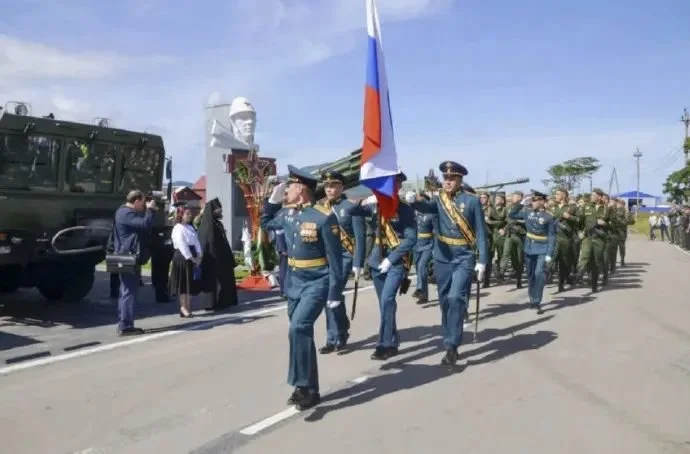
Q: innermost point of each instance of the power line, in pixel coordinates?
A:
(670, 161)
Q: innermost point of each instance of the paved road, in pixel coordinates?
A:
(602, 374)
(32, 328)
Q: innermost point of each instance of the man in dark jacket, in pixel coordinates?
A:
(131, 235)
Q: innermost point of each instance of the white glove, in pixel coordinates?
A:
(371, 200)
(547, 259)
(278, 193)
(480, 268)
(525, 200)
(357, 271)
(385, 266)
(410, 197)
(332, 304)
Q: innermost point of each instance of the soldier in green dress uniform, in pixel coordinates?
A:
(568, 220)
(514, 233)
(498, 218)
(593, 246)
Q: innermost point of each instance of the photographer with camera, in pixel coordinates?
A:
(131, 236)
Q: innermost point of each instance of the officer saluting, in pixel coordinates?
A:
(353, 240)
(460, 232)
(539, 243)
(315, 272)
(397, 239)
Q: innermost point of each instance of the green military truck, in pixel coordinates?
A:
(60, 184)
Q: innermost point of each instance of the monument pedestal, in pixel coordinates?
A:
(256, 283)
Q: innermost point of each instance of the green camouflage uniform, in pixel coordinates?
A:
(593, 245)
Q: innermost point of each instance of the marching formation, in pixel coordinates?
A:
(451, 233)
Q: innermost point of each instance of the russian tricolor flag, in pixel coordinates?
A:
(379, 165)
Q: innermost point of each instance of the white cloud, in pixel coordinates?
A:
(35, 62)
(166, 94)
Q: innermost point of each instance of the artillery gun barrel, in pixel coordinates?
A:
(500, 185)
(348, 166)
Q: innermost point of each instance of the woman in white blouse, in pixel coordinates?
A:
(186, 259)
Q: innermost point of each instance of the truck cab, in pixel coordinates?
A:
(60, 184)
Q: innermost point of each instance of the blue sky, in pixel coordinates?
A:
(505, 87)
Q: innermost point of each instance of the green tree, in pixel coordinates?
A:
(677, 185)
(568, 174)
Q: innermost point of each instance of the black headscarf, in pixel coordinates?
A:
(212, 235)
(208, 218)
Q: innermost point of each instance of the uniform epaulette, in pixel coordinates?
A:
(322, 209)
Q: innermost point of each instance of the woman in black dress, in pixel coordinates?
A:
(218, 263)
(186, 259)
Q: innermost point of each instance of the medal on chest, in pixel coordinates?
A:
(308, 232)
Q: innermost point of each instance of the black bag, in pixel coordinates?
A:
(122, 263)
(117, 263)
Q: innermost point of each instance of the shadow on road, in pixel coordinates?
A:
(100, 310)
(205, 325)
(405, 374)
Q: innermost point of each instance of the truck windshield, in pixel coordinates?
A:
(29, 162)
(140, 169)
(90, 167)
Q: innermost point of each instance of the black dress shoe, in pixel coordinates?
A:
(450, 358)
(417, 293)
(298, 395)
(130, 332)
(383, 353)
(326, 349)
(311, 400)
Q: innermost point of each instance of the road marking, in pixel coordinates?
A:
(681, 249)
(270, 421)
(145, 338)
(359, 380)
(285, 414)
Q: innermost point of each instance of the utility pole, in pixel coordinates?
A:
(637, 155)
(686, 148)
(614, 180)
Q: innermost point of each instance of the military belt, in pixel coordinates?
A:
(536, 237)
(452, 241)
(425, 235)
(307, 263)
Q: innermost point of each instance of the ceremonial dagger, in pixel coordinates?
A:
(354, 300)
(476, 314)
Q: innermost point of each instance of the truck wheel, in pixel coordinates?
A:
(73, 287)
(10, 279)
(81, 285)
(8, 287)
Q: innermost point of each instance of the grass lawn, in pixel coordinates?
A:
(641, 224)
(240, 271)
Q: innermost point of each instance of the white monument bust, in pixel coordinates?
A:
(243, 120)
(239, 133)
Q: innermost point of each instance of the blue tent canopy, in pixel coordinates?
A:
(636, 195)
